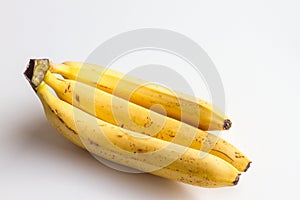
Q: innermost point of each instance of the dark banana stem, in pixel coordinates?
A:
(35, 72)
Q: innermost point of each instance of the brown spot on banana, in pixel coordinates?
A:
(77, 98)
(61, 120)
(220, 152)
(108, 89)
(93, 143)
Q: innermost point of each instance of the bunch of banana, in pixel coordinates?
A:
(110, 115)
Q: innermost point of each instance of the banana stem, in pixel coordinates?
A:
(36, 71)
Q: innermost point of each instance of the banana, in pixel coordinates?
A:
(130, 148)
(133, 117)
(188, 109)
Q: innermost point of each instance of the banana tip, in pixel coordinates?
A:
(227, 124)
(247, 167)
(235, 182)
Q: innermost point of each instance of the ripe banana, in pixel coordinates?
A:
(130, 148)
(188, 109)
(133, 117)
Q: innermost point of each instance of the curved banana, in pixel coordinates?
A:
(133, 117)
(132, 149)
(182, 107)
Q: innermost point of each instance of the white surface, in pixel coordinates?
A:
(255, 46)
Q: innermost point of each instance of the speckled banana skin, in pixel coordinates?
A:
(188, 109)
(165, 155)
(133, 117)
(134, 150)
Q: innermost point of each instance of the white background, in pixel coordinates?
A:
(255, 46)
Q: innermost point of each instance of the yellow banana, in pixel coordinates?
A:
(182, 107)
(133, 117)
(129, 148)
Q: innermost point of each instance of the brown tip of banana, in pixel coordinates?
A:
(247, 167)
(227, 124)
(235, 182)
